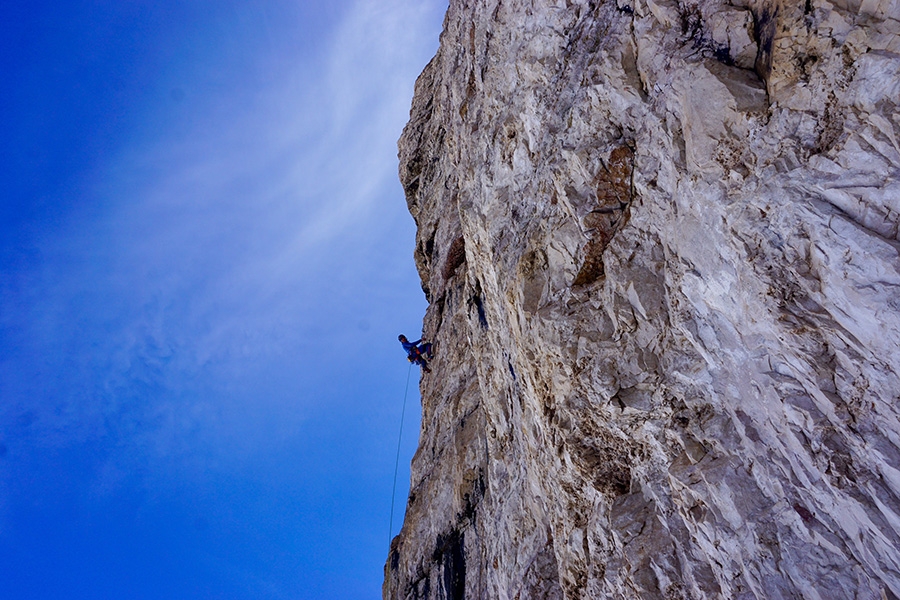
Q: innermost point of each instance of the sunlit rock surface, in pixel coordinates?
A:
(659, 241)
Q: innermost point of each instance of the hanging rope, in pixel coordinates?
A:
(397, 461)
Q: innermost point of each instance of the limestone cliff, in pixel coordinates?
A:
(659, 239)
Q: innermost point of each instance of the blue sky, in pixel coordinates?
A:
(205, 260)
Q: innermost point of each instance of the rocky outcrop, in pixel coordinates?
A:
(659, 239)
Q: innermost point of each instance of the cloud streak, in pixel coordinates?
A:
(199, 265)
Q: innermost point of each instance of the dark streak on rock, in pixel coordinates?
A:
(614, 195)
(804, 513)
(764, 25)
(456, 256)
(450, 554)
(478, 303)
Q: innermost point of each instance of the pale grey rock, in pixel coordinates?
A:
(660, 244)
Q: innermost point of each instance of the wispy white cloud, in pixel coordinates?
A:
(206, 259)
(303, 161)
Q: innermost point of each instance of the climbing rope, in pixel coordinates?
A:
(397, 461)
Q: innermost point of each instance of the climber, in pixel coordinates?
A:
(416, 353)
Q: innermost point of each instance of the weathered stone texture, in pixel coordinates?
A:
(659, 240)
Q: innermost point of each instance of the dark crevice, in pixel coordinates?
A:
(429, 245)
(478, 303)
(804, 513)
(450, 554)
(482, 318)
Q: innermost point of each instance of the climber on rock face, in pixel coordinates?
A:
(416, 353)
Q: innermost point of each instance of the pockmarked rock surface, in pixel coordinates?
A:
(659, 239)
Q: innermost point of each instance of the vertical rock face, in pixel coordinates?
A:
(659, 242)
